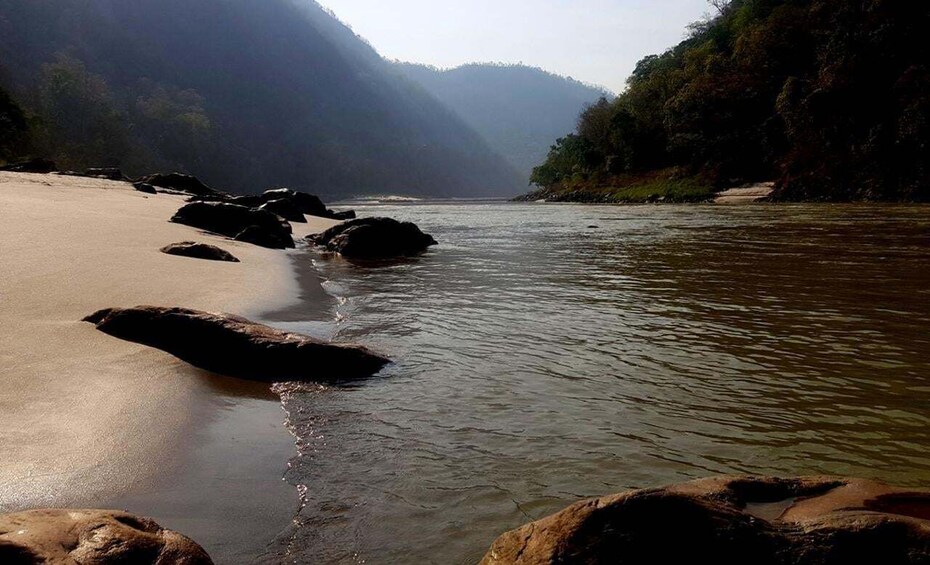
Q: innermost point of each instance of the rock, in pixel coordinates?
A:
(263, 237)
(31, 166)
(306, 203)
(730, 521)
(236, 347)
(108, 173)
(232, 220)
(286, 209)
(199, 251)
(179, 182)
(374, 238)
(144, 187)
(347, 215)
(101, 537)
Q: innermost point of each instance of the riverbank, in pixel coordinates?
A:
(88, 420)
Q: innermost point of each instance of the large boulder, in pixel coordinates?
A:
(232, 220)
(286, 209)
(374, 238)
(730, 521)
(199, 251)
(31, 166)
(236, 347)
(263, 237)
(101, 537)
(306, 203)
(179, 182)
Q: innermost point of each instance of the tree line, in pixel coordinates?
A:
(829, 98)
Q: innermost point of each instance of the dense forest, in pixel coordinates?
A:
(829, 98)
(518, 110)
(244, 94)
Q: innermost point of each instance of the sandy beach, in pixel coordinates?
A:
(86, 419)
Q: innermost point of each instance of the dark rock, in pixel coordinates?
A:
(31, 166)
(108, 173)
(347, 215)
(144, 187)
(286, 209)
(263, 237)
(374, 238)
(199, 251)
(306, 203)
(236, 347)
(231, 220)
(179, 183)
(101, 537)
(730, 521)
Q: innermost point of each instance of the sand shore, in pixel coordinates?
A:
(86, 418)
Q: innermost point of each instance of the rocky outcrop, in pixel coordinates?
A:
(236, 347)
(144, 187)
(730, 521)
(101, 537)
(108, 173)
(199, 251)
(306, 203)
(245, 224)
(374, 238)
(346, 215)
(286, 209)
(178, 182)
(31, 166)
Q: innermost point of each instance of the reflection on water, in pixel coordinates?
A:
(549, 353)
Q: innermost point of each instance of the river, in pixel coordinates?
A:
(546, 353)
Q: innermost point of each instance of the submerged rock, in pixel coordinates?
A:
(346, 215)
(286, 209)
(31, 166)
(179, 182)
(101, 537)
(730, 521)
(260, 227)
(237, 347)
(199, 251)
(374, 238)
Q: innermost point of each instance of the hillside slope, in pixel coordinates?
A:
(246, 94)
(519, 110)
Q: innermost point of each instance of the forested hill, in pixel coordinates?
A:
(831, 98)
(519, 110)
(245, 94)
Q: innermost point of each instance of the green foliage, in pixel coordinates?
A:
(829, 96)
(14, 129)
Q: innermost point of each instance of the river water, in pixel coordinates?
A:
(546, 353)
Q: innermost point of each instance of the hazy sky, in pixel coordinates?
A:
(597, 41)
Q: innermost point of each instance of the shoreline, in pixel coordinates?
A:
(91, 421)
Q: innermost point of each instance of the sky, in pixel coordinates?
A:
(594, 41)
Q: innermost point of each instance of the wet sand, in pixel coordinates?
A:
(746, 195)
(89, 420)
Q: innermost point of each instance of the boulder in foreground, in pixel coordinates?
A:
(264, 228)
(374, 238)
(730, 521)
(199, 251)
(237, 347)
(101, 537)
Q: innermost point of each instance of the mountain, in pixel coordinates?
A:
(829, 98)
(243, 93)
(519, 110)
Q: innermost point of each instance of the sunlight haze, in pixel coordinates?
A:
(595, 41)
